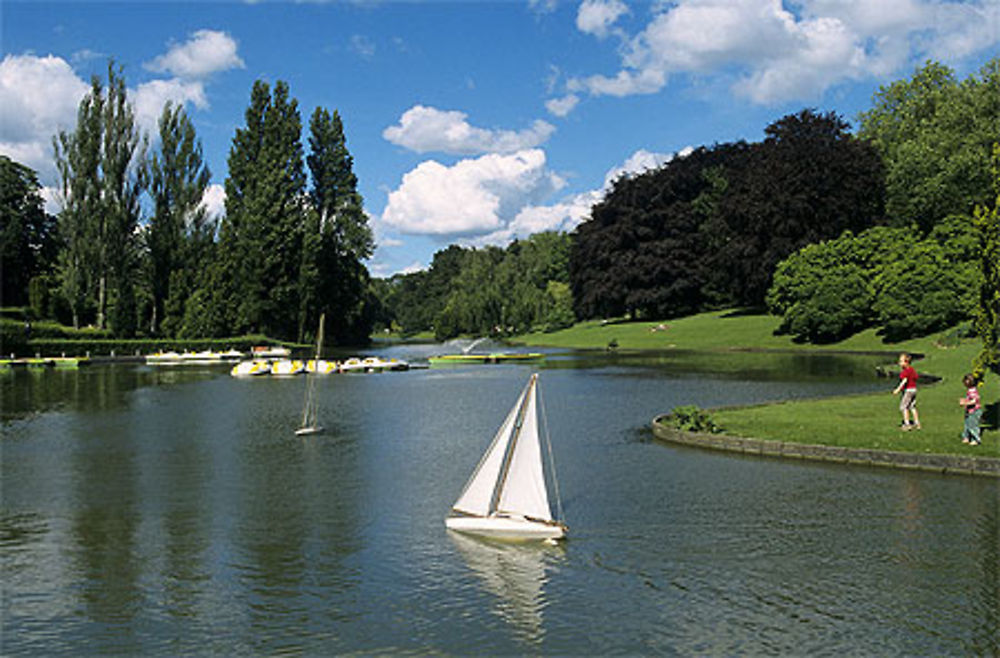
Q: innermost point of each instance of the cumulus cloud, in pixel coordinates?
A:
(776, 55)
(214, 201)
(472, 197)
(423, 129)
(149, 98)
(597, 16)
(204, 53)
(561, 107)
(495, 199)
(39, 97)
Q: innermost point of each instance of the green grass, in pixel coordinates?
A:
(860, 421)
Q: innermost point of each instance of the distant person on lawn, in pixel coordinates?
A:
(973, 411)
(908, 386)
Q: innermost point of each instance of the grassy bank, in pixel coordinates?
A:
(857, 421)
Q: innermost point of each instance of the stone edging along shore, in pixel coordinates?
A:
(950, 464)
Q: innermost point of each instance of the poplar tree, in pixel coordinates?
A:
(179, 229)
(345, 238)
(124, 169)
(261, 235)
(102, 167)
(78, 159)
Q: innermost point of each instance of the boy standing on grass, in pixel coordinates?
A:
(973, 411)
(908, 385)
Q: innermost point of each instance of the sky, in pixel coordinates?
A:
(472, 122)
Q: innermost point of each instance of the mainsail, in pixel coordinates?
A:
(310, 410)
(509, 478)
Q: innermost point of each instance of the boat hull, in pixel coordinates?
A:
(503, 527)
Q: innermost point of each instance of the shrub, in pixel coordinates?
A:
(691, 418)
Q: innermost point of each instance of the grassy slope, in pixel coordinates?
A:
(869, 421)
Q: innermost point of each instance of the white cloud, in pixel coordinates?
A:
(53, 198)
(566, 214)
(362, 46)
(39, 96)
(561, 107)
(424, 129)
(637, 163)
(205, 53)
(214, 201)
(462, 203)
(472, 197)
(149, 98)
(777, 56)
(597, 16)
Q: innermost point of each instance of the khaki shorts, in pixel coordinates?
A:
(909, 400)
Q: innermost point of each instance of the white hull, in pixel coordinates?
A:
(287, 368)
(505, 527)
(250, 369)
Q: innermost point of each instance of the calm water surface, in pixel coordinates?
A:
(168, 511)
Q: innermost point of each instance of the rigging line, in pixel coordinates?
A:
(552, 461)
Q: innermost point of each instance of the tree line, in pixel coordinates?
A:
(488, 291)
(134, 251)
(835, 231)
(893, 226)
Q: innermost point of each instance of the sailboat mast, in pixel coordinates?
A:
(511, 446)
(319, 336)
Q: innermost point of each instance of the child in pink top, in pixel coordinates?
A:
(973, 411)
(908, 386)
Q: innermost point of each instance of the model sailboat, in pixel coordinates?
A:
(507, 495)
(310, 410)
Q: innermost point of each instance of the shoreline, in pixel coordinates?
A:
(930, 462)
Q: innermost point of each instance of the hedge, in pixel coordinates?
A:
(122, 347)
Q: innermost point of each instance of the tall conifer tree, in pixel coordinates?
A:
(102, 167)
(345, 236)
(261, 240)
(178, 179)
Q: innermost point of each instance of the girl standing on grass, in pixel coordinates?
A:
(908, 385)
(973, 411)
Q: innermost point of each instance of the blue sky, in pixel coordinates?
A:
(478, 122)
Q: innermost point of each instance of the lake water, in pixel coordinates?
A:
(172, 511)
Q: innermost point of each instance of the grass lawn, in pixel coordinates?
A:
(859, 421)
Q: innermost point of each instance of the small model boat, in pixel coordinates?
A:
(507, 495)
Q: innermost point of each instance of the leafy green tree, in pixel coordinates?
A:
(78, 159)
(644, 248)
(809, 180)
(335, 280)
(27, 232)
(102, 166)
(823, 291)
(260, 250)
(558, 311)
(935, 135)
(987, 317)
(178, 229)
(919, 293)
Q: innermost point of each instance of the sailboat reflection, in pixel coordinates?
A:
(515, 573)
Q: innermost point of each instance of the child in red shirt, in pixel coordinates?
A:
(973, 411)
(908, 385)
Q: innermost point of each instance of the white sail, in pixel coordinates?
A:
(523, 490)
(310, 410)
(478, 494)
(506, 496)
